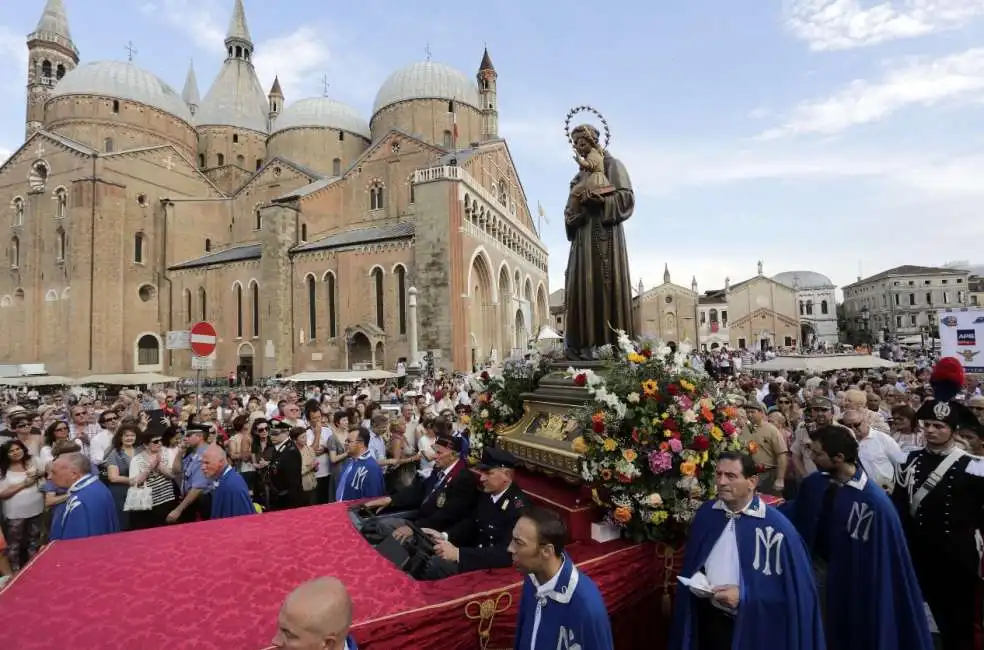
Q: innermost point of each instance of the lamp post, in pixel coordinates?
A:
(866, 319)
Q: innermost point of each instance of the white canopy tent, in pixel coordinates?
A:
(822, 363)
(131, 379)
(548, 334)
(341, 376)
(37, 380)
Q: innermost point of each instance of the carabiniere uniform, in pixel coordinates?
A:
(940, 499)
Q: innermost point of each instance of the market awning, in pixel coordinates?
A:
(38, 380)
(822, 363)
(341, 376)
(131, 379)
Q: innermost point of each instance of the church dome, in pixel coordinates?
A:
(426, 80)
(235, 99)
(121, 80)
(804, 280)
(322, 112)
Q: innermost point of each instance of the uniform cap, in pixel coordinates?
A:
(495, 458)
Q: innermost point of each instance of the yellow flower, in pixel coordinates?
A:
(630, 455)
(650, 388)
(703, 457)
(664, 415)
(635, 357)
(610, 445)
(578, 445)
(688, 468)
(658, 517)
(717, 434)
(667, 433)
(686, 385)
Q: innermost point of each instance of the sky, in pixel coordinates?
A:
(838, 136)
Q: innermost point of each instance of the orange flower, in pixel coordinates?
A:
(730, 412)
(707, 414)
(664, 446)
(650, 388)
(688, 468)
(622, 515)
(752, 446)
(630, 455)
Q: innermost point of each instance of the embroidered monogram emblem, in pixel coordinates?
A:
(767, 541)
(860, 520)
(566, 640)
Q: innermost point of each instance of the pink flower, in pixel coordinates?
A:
(685, 403)
(660, 461)
(729, 427)
(675, 445)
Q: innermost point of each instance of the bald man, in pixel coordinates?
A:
(316, 616)
(230, 495)
(90, 509)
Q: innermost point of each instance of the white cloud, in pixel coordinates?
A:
(205, 21)
(847, 24)
(298, 59)
(916, 83)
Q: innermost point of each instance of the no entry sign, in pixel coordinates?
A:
(203, 339)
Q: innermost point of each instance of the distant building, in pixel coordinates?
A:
(558, 311)
(905, 300)
(667, 312)
(764, 314)
(817, 299)
(713, 318)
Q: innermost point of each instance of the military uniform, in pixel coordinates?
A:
(284, 472)
(941, 513)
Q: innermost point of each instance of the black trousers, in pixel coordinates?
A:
(325, 491)
(953, 599)
(715, 628)
(201, 509)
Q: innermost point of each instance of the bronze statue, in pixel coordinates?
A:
(597, 286)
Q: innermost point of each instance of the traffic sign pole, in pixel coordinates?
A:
(203, 338)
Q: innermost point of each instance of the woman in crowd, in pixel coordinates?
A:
(262, 452)
(241, 450)
(425, 447)
(309, 464)
(151, 494)
(121, 454)
(23, 502)
(57, 430)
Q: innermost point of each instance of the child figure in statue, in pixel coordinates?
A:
(590, 157)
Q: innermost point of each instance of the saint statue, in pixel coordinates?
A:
(598, 292)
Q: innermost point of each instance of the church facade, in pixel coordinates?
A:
(667, 312)
(297, 229)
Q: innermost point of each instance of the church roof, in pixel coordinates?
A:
(400, 230)
(235, 99)
(53, 25)
(122, 80)
(486, 61)
(238, 27)
(324, 113)
(426, 80)
(803, 280)
(235, 254)
(190, 93)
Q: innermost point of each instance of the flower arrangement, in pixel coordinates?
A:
(499, 402)
(650, 436)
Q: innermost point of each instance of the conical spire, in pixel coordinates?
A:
(666, 274)
(238, 28)
(276, 91)
(486, 62)
(190, 93)
(53, 26)
(641, 287)
(693, 284)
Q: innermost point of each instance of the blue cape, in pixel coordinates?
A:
(572, 613)
(362, 478)
(231, 496)
(89, 511)
(778, 609)
(873, 598)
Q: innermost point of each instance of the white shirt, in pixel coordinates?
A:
(880, 455)
(722, 566)
(324, 462)
(426, 447)
(27, 503)
(99, 444)
(495, 497)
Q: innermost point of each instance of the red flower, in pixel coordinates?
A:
(700, 443)
(485, 375)
(729, 427)
(488, 425)
(671, 424)
(622, 478)
(647, 352)
(580, 379)
(635, 435)
(673, 389)
(598, 426)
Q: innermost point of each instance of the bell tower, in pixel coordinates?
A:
(51, 55)
(488, 97)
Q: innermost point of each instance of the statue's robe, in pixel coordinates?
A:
(598, 291)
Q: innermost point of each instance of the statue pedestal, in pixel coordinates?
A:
(543, 437)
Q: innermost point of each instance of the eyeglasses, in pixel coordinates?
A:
(110, 419)
(156, 441)
(262, 429)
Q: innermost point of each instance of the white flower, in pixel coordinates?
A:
(685, 349)
(625, 344)
(690, 416)
(505, 411)
(632, 398)
(484, 413)
(663, 351)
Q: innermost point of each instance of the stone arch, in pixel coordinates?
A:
(505, 310)
(516, 281)
(147, 348)
(66, 293)
(542, 306)
(360, 349)
(480, 252)
(481, 313)
(528, 291)
(521, 339)
(51, 296)
(6, 301)
(245, 349)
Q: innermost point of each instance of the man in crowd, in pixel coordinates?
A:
(770, 451)
(819, 413)
(362, 476)
(878, 452)
(196, 489)
(286, 487)
(939, 493)
(748, 572)
(230, 495)
(316, 616)
(442, 499)
(867, 585)
(560, 607)
(482, 540)
(90, 509)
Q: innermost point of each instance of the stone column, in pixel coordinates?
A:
(412, 329)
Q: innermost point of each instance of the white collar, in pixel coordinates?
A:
(549, 589)
(447, 470)
(365, 456)
(860, 479)
(283, 444)
(82, 482)
(225, 471)
(755, 508)
(496, 497)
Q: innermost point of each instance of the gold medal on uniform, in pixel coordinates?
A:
(441, 500)
(505, 504)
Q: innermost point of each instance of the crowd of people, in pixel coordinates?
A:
(881, 472)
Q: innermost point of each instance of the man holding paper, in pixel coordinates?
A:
(747, 577)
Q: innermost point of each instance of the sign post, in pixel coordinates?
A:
(203, 339)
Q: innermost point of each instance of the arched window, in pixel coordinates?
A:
(14, 251)
(241, 160)
(255, 289)
(823, 307)
(18, 211)
(502, 191)
(809, 307)
(332, 331)
(336, 167)
(60, 246)
(303, 232)
(448, 140)
(187, 301)
(713, 315)
(376, 196)
(138, 248)
(108, 145)
(202, 303)
(208, 245)
(201, 160)
(239, 311)
(148, 350)
(377, 280)
(61, 203)
(259, 163)
(401, 297)
(802, 308)
(312, 291)
(59, 71)
(412, 189)
(116, 106)
(259, 219)
(451, 106)
(220, 159)
(46, 71)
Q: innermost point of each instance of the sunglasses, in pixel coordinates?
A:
(156, 441)
(262, 429)
(110, 419)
